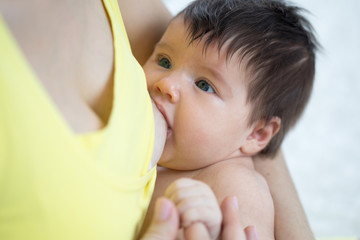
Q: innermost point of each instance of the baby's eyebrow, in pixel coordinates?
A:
(164, 45)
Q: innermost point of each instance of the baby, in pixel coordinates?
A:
(230, 77)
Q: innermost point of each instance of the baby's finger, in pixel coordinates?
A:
(200, 202)
(183, 182)
(208, 217)
(205, 215)
(187, 188)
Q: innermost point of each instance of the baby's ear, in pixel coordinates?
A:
(261, 135)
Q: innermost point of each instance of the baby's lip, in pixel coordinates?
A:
(163, 112)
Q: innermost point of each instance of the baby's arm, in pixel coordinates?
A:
(196, 203)
(237, 177)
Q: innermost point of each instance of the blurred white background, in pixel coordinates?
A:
(323, 151)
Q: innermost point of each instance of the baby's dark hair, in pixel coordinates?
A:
(277, 45)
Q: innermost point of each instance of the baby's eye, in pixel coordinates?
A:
(165, 63)
(206, 87)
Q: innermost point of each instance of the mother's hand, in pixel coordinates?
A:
(165, 223)
(232, 228)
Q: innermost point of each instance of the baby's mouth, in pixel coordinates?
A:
(163, 112)
(169, 131)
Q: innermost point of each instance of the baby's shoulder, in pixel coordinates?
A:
(232, 172)
(234, 178)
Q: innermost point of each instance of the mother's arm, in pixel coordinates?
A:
(290, 218)
(145, 22)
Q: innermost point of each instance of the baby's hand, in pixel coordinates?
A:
(196, 203)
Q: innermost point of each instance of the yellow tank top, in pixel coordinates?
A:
(55, 184)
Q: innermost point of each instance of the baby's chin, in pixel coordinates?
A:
(177, 165)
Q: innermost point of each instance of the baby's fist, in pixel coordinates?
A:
(196, 203)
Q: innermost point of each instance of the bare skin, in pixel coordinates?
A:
(288, 208)
(83, 73)
(219, 175)
(145, 22)
(69, 45)
(166, 219)
(288, 219)
(64, 53)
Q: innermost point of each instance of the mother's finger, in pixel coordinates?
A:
(232, 228)
(165, 222)
(197, 231)
(251, 233)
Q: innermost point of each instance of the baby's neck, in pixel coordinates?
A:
(243, 161)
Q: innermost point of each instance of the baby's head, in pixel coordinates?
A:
(276, 43)
(226, 75)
